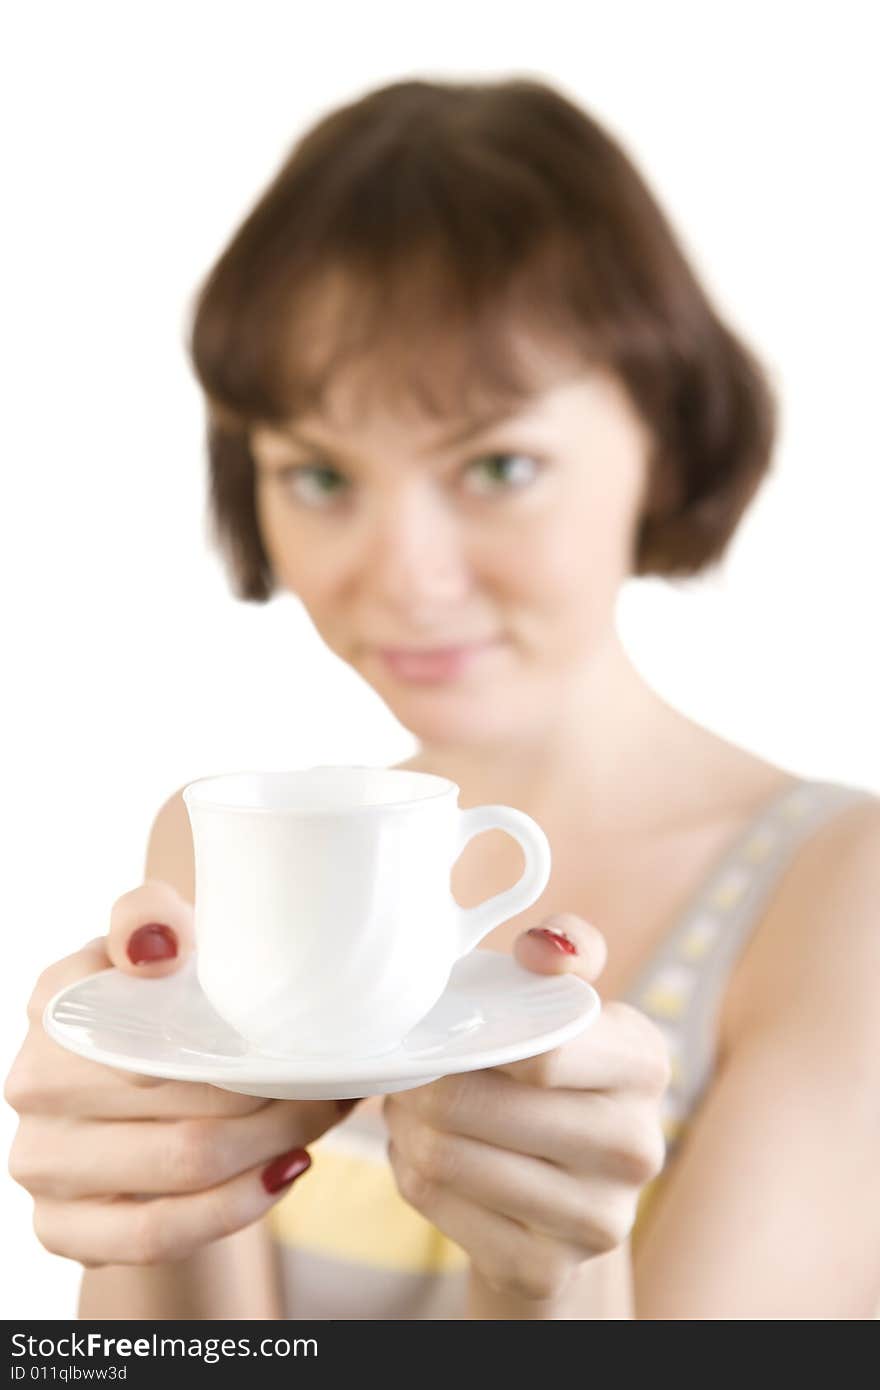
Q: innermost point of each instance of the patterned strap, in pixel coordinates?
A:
(682, 986)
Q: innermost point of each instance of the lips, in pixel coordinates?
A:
(424, 665)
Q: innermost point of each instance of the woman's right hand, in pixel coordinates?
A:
(130, 1169)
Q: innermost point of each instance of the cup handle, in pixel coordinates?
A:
(476, 922)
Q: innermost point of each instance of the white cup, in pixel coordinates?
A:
(324, 917)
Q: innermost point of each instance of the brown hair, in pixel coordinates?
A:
(421, 224)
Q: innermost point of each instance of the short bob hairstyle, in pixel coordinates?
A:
(417, 229)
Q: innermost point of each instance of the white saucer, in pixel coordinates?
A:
(492, 1011)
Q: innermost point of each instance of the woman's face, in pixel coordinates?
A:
(467, 571)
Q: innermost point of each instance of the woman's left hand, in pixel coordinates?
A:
(537, 1166)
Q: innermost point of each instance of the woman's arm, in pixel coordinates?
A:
(231, 1278)
(772, 1208)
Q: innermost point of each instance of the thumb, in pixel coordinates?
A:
(151, 930)
(562, 944)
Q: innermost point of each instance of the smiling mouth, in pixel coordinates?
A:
(435, 664)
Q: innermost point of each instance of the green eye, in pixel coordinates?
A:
(313, 482)
(504, 472)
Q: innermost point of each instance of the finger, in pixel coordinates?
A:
(583, 1131)
(622, 1049)
(510, 1257)
(151, 930)
(589, 1213)
(156, 1230)
(166, 1100)
(148, 1157)
(563, 944)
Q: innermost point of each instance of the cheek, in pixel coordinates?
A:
(576, 550)
(568, 570)
(293, 553)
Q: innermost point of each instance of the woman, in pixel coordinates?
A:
(461, 382)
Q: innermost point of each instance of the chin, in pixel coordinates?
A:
(459, 718)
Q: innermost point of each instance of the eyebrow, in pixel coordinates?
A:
(476, 426)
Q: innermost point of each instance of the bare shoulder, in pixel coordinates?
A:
(814, 959)
(170, 847)
(778, 1168)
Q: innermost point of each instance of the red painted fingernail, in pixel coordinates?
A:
(154, 941)
(556, 938)
(285, 1168)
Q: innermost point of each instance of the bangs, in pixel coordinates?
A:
(427, 341)
(429, 277)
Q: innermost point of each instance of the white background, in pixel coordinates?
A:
(135, 138)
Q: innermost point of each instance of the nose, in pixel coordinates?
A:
(417, 562)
